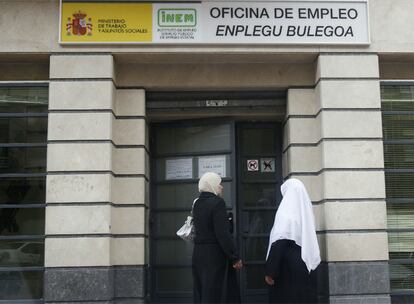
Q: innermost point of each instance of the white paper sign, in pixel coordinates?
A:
(179, 168)
(262, 22)
(215, 164)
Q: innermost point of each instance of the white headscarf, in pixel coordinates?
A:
(209, 182)
(294, 221)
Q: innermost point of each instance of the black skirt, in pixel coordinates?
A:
(215, 280)
(293, 282)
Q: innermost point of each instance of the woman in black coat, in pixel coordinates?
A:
(293, 252)
(215, 257)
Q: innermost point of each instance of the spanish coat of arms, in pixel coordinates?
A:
(79, 25)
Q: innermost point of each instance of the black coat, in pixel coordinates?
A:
(293, 282)
(214, 253)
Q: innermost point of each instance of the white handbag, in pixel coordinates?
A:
(187, 231)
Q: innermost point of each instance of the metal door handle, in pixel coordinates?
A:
(231, 223)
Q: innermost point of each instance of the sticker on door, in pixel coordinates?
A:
(253, 165)
(267, 164)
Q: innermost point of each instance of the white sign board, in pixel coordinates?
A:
(179, 168)
(266, 22)
(216, 164)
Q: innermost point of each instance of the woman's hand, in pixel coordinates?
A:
(238, 265)
(269, 280)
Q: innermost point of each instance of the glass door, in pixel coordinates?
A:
(248, 157)
(259, 159)
(181, 153)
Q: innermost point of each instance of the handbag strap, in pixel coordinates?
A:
(192, 207)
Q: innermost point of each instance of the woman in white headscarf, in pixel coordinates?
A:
(293, 251)
(215, 257)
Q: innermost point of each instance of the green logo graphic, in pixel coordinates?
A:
(177, 17)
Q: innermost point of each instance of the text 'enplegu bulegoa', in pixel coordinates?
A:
(302, 14)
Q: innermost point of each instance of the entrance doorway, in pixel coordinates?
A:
(248, 157)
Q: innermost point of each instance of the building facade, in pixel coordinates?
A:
(102, 145)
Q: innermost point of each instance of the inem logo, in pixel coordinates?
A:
(174, 17)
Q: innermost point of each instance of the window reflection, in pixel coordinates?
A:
(23, 130)
(398, 130)
(256, 248)
(174, 252)
(15, 285)
(22, 160)
(402, 276)
(22, 221)
(18, 221)
(22, 190)
(171, 279)
(180, 139)
(259, 195)
(259, 141)
(21, 253)
(260, 221)
(23, 138)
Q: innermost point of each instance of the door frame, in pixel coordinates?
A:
(155, 297)
(236, 208)
(252, 294)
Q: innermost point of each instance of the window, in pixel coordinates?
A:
(23, 141)
(398, 129)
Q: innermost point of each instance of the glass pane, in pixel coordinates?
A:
(193, 139)
(23, 99)
(23, 130)
(182, 195)
(23, 108)
(167, 223)
(176, 195)
(255, 248)
(400, 216)
(399, 156)
(255, 277)
(259, 141)
(402, 298)
(402, 276)
(259, 195)
(401, 245)
(21, 285)
(398, 127)
(22, 160)
(21, 253)
(188, 173)
(259, 221)
(22, 190)
(399, 184)
(174, 280)
(174, 252)
(397, 98)
(257, 176)
(22, 221)
(227, 193)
